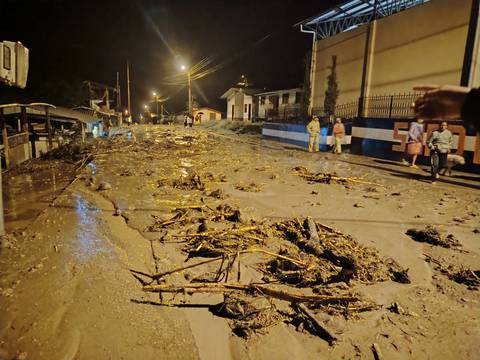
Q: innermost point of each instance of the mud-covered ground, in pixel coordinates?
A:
(72, 281)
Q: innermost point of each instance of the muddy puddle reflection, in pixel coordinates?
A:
(26, 194)
(89, 243)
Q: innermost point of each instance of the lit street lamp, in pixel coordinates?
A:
(184, 68)
(156, 99)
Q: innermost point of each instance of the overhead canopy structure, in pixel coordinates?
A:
(354, 13)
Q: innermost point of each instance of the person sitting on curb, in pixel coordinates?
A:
(414, 142)
(440, 143)
(338, 134)
(313, 128)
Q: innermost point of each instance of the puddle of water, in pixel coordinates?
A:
(26, 195)
(88, 243)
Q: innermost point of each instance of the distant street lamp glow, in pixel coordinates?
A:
(183, 67)
(154, 93)
(146, 107)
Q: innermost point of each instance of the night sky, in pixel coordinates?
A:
(75, 40)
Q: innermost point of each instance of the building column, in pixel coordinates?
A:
(470, 70)
(368, 58)
(313, 65)
(49, 129)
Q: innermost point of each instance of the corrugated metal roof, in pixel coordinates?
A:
(351, 14)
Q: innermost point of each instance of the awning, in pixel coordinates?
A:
(352, 14)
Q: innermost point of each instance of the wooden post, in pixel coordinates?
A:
(49, 129)
(5, 139)
(83, 132)
(2, 125)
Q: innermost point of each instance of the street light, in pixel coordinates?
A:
(155, 96)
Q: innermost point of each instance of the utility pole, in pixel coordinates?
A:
(128, 89)
(190, 110)
(119, 97)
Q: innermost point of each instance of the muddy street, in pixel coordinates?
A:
(193, 244)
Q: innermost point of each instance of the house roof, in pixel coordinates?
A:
(279, 92)
(353, 13)
(57, 113)
(232, 90)
(207, 108)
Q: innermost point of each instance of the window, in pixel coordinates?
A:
(7, 57)
(285, 98)
(262, 100)
(298, 97)
(245, 108)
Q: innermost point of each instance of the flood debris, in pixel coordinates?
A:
(248, 314)
(314, 324)
(459, 274)
(432, 236)
(189, 182)
(342, 251)
(251, 187)
(329, 178)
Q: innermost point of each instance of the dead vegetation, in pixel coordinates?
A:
(459, 274)
(330, 178)
(432, 236)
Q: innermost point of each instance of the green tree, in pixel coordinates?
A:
(332, 92)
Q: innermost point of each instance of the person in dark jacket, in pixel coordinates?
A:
(449, 102)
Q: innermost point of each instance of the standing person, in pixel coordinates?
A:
(338, 134)
(313, 128)
(414, 142)
(440, 143)
(190, 120)
(185, 120)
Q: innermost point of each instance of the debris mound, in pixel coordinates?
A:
(252, 187)
(342, 251)
(329, 178)
(190, 182)
(248, 314)
(432, 236)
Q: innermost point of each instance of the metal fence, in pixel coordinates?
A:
(397, 106)
(388, 106)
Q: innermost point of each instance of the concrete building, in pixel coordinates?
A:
(206, 114)
(241, 103)
(387, 47)
(383, 48)
(281, 104)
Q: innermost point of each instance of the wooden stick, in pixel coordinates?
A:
(320, 328)
(187, 207)
(252, 250)
(262, 289)
(169, 272)
(220, 232)
(377, 354)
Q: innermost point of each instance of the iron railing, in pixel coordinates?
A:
(397, 106)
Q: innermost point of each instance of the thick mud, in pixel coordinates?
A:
(67, 292)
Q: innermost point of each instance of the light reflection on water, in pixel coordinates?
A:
(89, 243)
(93, 167)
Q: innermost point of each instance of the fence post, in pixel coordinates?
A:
(360, 107)
(391, 106)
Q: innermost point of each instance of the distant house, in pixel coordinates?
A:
(279, 104)
(206, 114)
(241, 103)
